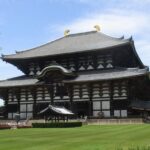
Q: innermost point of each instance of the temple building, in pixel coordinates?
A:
(88, 73)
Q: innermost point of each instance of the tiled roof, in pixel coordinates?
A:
(72, 43)
(109, 75)
(20, 81)
(57, 110)
(82, 77)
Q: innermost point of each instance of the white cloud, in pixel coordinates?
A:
(143, 49)
(113, 22)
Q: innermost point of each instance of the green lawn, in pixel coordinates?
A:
(103, 137)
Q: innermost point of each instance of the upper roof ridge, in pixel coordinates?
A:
(81, 33)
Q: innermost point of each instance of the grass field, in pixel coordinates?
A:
(108, 137)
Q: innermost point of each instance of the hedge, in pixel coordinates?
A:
(57, 125)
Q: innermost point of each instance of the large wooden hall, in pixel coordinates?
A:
(88, 73)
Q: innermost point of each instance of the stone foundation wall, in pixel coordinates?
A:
(114, 121)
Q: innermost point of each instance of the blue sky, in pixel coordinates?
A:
(28, 23)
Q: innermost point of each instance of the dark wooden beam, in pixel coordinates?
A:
(111, 98)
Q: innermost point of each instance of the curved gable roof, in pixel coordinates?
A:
(62, 70)
(72, 43)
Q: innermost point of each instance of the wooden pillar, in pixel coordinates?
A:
(95, 61)
(90, 93)
(51, 92)
(76, 63)
(55, 119)
(80, 91)
(33, 92)
(111, 98)
(61, 91)
(130, 92)
(17, 93)
(70, 94)
(5, 97)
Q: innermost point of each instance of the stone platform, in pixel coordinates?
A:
(114, 121)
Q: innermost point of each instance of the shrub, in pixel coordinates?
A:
(57, 125)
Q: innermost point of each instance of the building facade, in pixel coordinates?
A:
(89, 73)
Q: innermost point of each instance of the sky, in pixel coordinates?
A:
(25, 24)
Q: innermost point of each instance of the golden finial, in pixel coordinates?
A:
(97, 27)
(66, 32)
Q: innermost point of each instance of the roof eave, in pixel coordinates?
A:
(9, 58)
(107, 79)
(135, 52)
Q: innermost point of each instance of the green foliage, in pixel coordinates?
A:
(57, 125)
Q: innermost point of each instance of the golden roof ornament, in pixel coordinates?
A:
(97, 27)
(66, 32)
